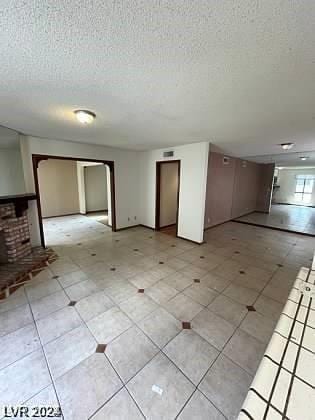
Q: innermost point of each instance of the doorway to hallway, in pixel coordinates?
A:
(50, 202)
(167, 196)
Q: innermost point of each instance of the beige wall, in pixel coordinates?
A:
(11, 172)
(287, 181)
(168, 193)
(95, 188)
(58, 185)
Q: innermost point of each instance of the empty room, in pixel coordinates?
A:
(157, 225)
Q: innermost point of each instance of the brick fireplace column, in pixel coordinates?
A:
(14, 234)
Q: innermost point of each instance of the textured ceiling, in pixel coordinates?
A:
(239, 73)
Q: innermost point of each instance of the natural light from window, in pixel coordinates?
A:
(304, 188)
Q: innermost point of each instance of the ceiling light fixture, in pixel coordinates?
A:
(304, 157)
(84, 116)
(287, 146)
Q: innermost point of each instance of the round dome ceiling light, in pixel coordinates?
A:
(84, 116)
(287, 146)
(304, 157)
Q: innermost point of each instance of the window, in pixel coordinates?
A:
(304, 188)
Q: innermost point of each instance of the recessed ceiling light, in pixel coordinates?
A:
(287, 146)
(84, 116)
(304, 157)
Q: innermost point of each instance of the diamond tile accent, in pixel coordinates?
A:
(100, 348)
(131, 309)
(72, 302)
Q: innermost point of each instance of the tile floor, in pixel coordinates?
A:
(282, 216)
(99, 216)
(137, 324)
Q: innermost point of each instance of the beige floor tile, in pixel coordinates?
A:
(49, 304)
(217, 283)
(69, 350)
(57, 324)
(226, 386)
(160, 326)
(213, 328)
(16, 299)
(109, 325)
(258, 326)
(23, 379)
(87, 387)
(129, 352)
(121, 291)
(183, 307)
(121, 406)
(245, 351)
(71, 278)
(18, 344)
(160, 292)
(191, 354)
(268, 307)
(138, 306)
(143, 280)
(14, 319)
(173, 388)
(81, 290)
(241, 294)
(178, 281)
(37, 290)
(45, 398)
(193, 272)
(228, 309)
(199, 407)
(93, 305)
(200, 293)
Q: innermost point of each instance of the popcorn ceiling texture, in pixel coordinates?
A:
(158, 73)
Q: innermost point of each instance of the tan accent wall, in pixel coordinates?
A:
(236, 187)
(58, 185)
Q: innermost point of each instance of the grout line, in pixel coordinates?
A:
(44, 354)
(137, 326)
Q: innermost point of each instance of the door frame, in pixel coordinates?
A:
(37, 158)
(158, 192)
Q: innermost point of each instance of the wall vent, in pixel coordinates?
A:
(168, 154)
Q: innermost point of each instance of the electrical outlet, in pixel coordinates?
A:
(128, 219)
(209, 219)
(135, 217)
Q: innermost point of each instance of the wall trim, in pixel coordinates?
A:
(190, 240)
(64, 215)
(126, 228)
(148, 227)
(292, 204)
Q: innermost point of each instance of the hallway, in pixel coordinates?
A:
(285, 216)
